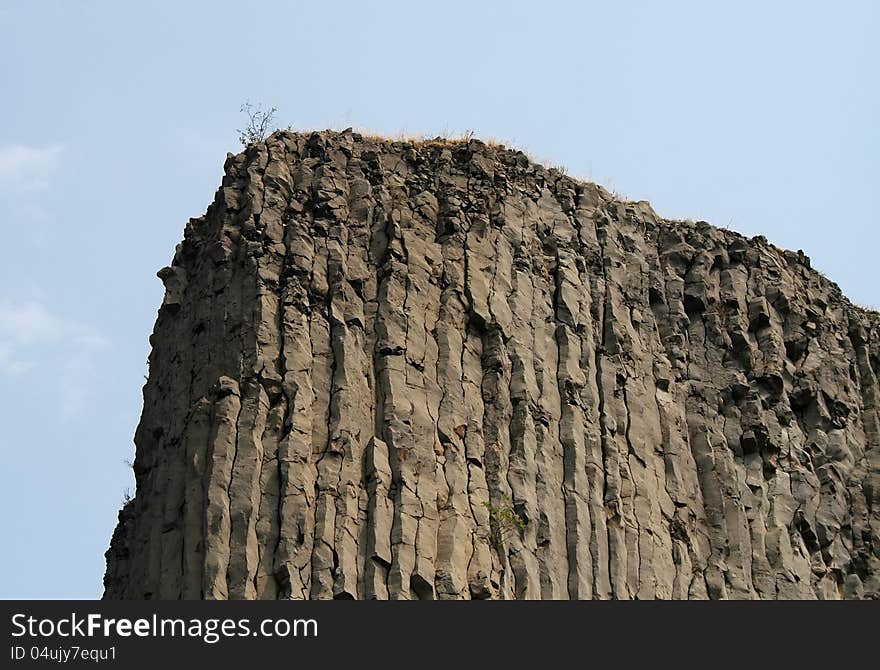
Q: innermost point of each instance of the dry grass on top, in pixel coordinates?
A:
(443, 140)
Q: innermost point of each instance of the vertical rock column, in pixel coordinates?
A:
(371, 354)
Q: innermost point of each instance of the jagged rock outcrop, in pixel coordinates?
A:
(363, 342)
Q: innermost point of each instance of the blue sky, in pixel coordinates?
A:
(116, 118)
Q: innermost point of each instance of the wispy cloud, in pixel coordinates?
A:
(32, 337)
(26, 168)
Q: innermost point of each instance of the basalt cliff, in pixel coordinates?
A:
(438, 370)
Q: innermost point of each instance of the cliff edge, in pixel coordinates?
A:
(438, 370)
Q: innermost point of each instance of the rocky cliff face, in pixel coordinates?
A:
(438, 370)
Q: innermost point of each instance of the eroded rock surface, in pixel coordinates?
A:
(363, 342)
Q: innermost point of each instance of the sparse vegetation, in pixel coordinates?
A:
(126, 496)
(444, 139)
(503, 520)
(260, 124)
(867, 308)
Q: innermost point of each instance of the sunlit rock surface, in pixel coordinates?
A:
(364, 341)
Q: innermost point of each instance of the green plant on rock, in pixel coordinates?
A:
(503, 520)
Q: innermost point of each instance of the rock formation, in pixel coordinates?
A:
(437, 370)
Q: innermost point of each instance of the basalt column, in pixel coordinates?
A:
(438, 370)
